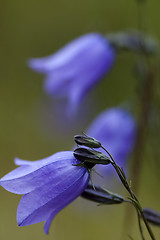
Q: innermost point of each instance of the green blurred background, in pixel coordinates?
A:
(31, 127)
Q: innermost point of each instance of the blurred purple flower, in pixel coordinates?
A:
(116, 130)
(48, 186)
(75, 69)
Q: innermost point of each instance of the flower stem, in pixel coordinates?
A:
(134, 199)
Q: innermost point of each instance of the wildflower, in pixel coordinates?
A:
(115, 129)
(74, 70)
(48, 186)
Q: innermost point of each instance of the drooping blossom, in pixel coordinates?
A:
(48, 186)
(75, 69)
(115, 129)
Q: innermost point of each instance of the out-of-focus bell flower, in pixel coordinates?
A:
(115, 129)
(75, 69)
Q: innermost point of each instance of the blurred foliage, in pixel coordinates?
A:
(29, 122)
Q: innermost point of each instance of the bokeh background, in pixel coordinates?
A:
(31, 125)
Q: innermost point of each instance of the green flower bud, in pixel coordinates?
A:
(87, 141)
(101, 195)
(91, 157)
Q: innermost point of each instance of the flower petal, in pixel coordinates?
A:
(58, 83)
(20, 162)
(49, 221)
(28, 177)
(43, 202)
(75, 69)
(67, 54)
(77, 189)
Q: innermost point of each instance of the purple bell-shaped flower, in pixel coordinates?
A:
(75, 69)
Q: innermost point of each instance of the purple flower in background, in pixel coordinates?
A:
(116, 130)
(75, 69)
(48, 186)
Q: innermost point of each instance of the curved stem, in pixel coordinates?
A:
(133, 197)
(139, 219)
(140, 226)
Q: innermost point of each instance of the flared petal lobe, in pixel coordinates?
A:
(48, 186)
(74, 70)
(26, 178)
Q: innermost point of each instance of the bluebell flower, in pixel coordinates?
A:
(48, 186)
(75, 69)
(116, 130)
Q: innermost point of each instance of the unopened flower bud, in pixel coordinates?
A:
(101, 195)
(87, 141)
(152, 216)
(93, 157)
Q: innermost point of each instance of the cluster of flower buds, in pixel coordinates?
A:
(88, 156)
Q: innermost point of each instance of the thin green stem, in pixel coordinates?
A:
(140, 226)
(133, 198)
(139, 219)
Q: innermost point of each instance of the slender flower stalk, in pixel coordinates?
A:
(146, 74)
(133, 196)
